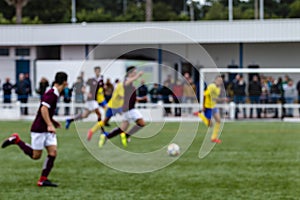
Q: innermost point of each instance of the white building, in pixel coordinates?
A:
(267, 43)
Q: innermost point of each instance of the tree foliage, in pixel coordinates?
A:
(59, 11)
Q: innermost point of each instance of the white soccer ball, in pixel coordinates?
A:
(173, 149)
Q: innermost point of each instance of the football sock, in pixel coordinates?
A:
(114, 133)
(133, 130)
(48, 164)
(97, 126)
(25, 148)
(216, 131)
(203, 118)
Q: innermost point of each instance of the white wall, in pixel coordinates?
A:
(8, 69)
(72, 52)
(281, 55)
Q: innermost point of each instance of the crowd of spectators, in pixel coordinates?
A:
(263, 90)
(259, 89)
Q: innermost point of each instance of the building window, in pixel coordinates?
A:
(22, 51)
(4, 52)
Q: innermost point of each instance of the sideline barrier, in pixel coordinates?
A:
(150, 111)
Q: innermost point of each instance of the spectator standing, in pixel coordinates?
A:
(7, 88)
(239, 87)
(265, 93)
(67, 95)
(23, 91)
(177, 96)
(29, 83)
(166, 95)
(79, 89)
(298, 89)
(275, 93)
(43, 85)
(108, 90)
(189, 89)
(254, 91)
(154, 93)
(142, 92)
(290, 96)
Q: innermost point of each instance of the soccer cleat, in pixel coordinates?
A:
(123, 139)
(218, 141)
(89, 135)
(13, 139)
(46, 183)
(68, 123)
(102, 140)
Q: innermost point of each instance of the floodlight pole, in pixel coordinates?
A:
(261, 9)
(73, 19)
(230, 9)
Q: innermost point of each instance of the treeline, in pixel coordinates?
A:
(59, 11)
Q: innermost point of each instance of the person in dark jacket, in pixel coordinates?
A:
(7, 88)
(154, 93)
(254, 91)
(239, 87)
(43, 85)
(23, 90)
(166, 95)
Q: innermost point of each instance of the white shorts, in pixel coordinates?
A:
(41, 140)
(132, 115)
(92, 105)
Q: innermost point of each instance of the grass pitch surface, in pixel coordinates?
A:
(255, 161)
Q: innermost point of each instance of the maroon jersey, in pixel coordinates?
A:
(93, 84)
(129, 97)
(49, 100)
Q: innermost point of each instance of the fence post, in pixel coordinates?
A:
(232, 110)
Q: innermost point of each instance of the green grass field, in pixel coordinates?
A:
(255, 161)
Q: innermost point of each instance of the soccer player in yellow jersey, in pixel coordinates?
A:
(100, 96)
(209, 110)
(114, 106)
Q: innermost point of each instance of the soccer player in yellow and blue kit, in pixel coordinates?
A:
(209, 110)
(114, 106)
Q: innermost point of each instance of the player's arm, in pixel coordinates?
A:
(131, 79)
(56, 124)
(46, 117)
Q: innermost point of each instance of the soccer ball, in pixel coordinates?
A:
(173, 149)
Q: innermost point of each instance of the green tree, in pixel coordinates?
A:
(3, 20)
(97, 15)
(216, 12)
(134, 12)
(18, 4)
(295, 9)
(163, 12)
(49, 11)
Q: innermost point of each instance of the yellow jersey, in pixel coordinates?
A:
(100, 95)
(211, 94)
(117, 99)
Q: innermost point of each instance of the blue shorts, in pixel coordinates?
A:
(209, 112)
(103, 103)
(112, 111)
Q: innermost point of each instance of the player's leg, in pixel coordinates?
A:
(79, 116)
(216, 130)
(51, 147)
(136, 116)
(116, 131)
(15, 139)
(100, 124)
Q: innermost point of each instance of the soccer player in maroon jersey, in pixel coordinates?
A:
(43, 130)
(91, 103)
(129, 111)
